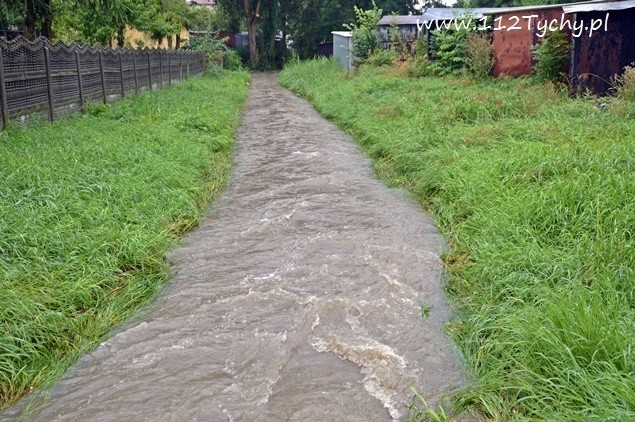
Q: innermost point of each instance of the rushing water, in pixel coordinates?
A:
(299, 299)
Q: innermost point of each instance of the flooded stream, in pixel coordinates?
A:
(298, 299)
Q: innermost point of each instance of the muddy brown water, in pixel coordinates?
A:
(298, 299)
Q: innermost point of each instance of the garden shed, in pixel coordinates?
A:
(596, 59)
(514, 36)
(412, 26)
(343, 48)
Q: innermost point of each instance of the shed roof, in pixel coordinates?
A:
(583, 6)
(435, 14)
(598, 6)
(447, 13)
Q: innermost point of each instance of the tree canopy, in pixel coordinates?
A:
(101, 21)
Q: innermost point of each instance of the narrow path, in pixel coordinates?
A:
(299, 299)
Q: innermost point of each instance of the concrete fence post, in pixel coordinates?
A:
(3, 94)
(49, 85)
(103, 77)
(78, 68)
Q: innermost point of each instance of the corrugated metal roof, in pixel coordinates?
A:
(585, 6)
(435, 14)
(447, 13)
(599, 6)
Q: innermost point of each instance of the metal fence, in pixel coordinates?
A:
(51, 80)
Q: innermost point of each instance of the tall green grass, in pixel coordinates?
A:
(535, 193)
(89, 208)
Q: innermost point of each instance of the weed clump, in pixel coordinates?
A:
(552, 56)
(479, 58)
(625, 83)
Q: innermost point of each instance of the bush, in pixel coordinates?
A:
(552, 56)
(217, 54)
(478, 56)
(396, 40)
(364, 32)
(450, 52)
(381, 58)
(625, 83)
(421, 46)
(419, 67)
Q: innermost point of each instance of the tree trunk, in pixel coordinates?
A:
(121, 40)
(253, 16)
(178, 41)
(47, 30)
(253, 48)
(29, 20)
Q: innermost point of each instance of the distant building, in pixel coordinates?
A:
(413, 26)
(343, 48)
(596, 56)
(203, 3)
(596, 59)
(514, 37)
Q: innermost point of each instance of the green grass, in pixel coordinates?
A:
(535, 193)
(89, 207)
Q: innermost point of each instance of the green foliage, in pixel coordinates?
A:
(310, 23)
(83, 242)
(450, 52)
(420, 411)
(420, 67)
(381, 58)
(625, 83)
(11, 14)
(551, 56)
(534, 192)
(421, 47)
(217, 54)
(479, 58)
(164, 19)
(364, 32)
(98, 21)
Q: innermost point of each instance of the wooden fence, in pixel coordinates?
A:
(53, 80)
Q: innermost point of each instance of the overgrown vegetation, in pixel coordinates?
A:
(479, 58)
(364, 33)
(534, 192)
(90, 206)
(456, 51)
(449, 52)
(217, 55)
(551, 56)
(625, 83)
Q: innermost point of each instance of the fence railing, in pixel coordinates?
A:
(52, 80)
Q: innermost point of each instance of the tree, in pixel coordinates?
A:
(30, 16)
(249, 11)
(308, 22)
(164, 19)
(364, 32)
(99, 21)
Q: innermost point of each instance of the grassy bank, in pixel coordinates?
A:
(89, 208)
(536, 194)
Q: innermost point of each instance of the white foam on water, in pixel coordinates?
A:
(376, 361)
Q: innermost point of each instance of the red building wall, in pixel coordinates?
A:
(513, 47)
